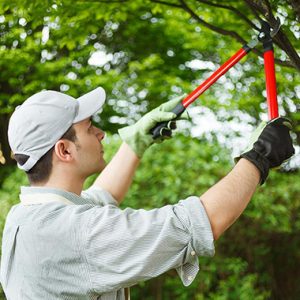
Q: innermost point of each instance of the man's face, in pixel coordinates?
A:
(89, 148)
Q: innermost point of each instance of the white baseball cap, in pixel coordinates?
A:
(37, 124)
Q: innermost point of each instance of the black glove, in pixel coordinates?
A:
(271, 145)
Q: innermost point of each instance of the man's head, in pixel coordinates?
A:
(53, 129)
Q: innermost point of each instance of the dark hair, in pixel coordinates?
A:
(41, 171)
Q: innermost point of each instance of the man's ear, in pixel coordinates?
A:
(64, 150)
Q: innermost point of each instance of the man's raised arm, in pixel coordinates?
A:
(271, 145)
(117, 176)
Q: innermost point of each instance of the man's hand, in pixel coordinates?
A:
(270, 146)
(138, 136)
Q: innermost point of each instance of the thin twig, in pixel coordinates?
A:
(253, 8)
(233, 9)
(102, 1)
(269, 13)
(167, 3)
(233, 34)
(210, 26)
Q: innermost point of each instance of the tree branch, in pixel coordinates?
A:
(296, 7)
(219, 30)
(102, 1)
(233, 9)
(280, 39)
(210, 26)
(269, 12)
(250, 4)
(167, 3)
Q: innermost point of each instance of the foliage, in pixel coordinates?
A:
(149, 47)
(151, 51)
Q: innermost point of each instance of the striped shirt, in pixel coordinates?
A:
(65, 246)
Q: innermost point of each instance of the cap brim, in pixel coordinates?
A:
(90, 104)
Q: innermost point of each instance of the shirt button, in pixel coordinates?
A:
(190, 278)
(193, 253)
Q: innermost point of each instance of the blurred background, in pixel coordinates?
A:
(145, 52)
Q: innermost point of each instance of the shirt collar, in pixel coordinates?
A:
(27, 190)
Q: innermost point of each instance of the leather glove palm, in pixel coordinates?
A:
(270, 146)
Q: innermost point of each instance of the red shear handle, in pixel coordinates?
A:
(271, 84)
(215, 76)
(162, 127)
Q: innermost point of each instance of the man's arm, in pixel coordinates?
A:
(270, 145)
(225, 201)
(117, 176)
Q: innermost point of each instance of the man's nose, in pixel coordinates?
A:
(99, 133)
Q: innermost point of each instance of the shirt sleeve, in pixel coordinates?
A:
(123, 247)
(98, 196)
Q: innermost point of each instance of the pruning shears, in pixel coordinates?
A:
(265, 36)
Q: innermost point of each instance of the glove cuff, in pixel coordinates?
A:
(132, 138)
(261, 162)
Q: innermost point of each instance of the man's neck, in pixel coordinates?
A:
(72, 185)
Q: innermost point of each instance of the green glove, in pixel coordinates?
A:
(270, 145)
(138, 135)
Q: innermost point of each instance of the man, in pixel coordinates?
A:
(64, 243)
